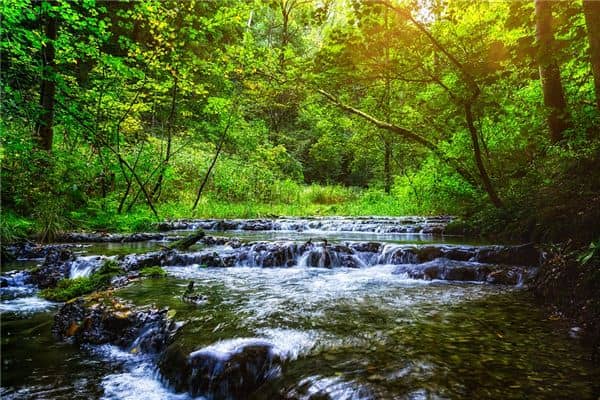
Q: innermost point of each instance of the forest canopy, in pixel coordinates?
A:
(117, 114)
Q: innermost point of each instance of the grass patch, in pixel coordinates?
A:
(288, 200)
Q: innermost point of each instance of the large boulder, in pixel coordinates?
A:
(366, 247)
(232, 369)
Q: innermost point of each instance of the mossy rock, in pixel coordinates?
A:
(153, 272)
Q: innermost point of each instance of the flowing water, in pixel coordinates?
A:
(370, 332)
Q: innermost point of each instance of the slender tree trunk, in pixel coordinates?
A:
(554, 97)
(387, 173)
(591, 9)
(285, 14)
(170, 120)
(210, 168)
(485, 179)
(44, 131)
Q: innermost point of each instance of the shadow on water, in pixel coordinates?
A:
(35, 366)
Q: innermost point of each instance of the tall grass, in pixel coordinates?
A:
(288, 198)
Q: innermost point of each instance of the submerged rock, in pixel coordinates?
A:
(102, 237)
(230, 369)
(451, 270)
(101, 319)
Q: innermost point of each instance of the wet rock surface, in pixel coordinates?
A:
(101, 319)
(55, 268)
(30, 250)
(228, 370)
(445, 269)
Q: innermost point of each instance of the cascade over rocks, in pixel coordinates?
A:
(225, 370)
(493, 264)
(419, 225)
(101, 319)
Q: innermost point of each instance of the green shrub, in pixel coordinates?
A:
(13, 227)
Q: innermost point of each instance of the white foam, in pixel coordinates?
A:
(223, 349)
(334, 388)
(25, 305)
(139, 382)
(139, 379)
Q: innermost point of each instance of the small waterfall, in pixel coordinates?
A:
(18, 296)
(337, 256)
(85, 266)
(397, 254)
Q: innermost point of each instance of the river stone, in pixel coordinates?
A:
(458, 253)
(98, 320)
(512, 255)
(508, 276)
(30, 251)
(367, 247)
(221, 373)
(134, 262)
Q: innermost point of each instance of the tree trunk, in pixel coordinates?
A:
(387, 173)
(44, 127)
(210, 168)
(591, 9)
(485, 179)
(554, 97)
(406, 134)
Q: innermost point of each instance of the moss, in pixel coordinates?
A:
(68, 289)
(111, 268)
(153, 272)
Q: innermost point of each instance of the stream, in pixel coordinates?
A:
(315, 308)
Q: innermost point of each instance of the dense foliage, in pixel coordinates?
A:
(115, 114)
